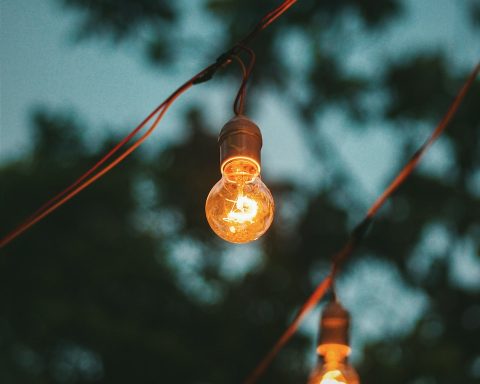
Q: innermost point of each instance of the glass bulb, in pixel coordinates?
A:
(240, 207)
(334, 367)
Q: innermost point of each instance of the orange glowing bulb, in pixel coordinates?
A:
(334, 367)
(333, 377)
(240, 207)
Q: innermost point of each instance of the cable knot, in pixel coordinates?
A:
(221, 61)
(361, 229)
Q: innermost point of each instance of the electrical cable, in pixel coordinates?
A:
(239, 103)
(90, 176)
(359, 232)
(239, 99)
(223, 60)
(124, 141)
(78, 186)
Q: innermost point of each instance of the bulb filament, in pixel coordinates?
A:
(243, 210)
(333, 377)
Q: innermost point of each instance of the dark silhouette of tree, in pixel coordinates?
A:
(127, 284)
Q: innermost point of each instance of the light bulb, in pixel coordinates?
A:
(240, 208)
(334, 367)
(333, 348)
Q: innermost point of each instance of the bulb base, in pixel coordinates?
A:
(240, 138)
(334, 325)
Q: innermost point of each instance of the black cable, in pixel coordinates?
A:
(239, 104)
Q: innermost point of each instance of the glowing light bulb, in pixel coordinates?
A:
(240, 207)
(333, 349)
(334, 367)
(333, 377)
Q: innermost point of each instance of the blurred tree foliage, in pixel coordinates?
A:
(127, 284)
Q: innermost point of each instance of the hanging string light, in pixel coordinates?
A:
(240, 207)
(333, 348)
(109, 161)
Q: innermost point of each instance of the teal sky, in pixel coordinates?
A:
(111, 88)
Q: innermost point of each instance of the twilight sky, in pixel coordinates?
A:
(111, 88)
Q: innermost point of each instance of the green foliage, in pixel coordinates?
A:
(127, 284)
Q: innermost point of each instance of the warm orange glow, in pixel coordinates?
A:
(333, 377)
(243, 210)
(333, 351)
(334, 373)
(334, 367)
(240, 207)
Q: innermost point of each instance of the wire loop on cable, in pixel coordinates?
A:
(239, 103)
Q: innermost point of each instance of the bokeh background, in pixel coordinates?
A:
(127, 283)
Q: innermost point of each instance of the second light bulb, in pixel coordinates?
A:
(333, 349)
